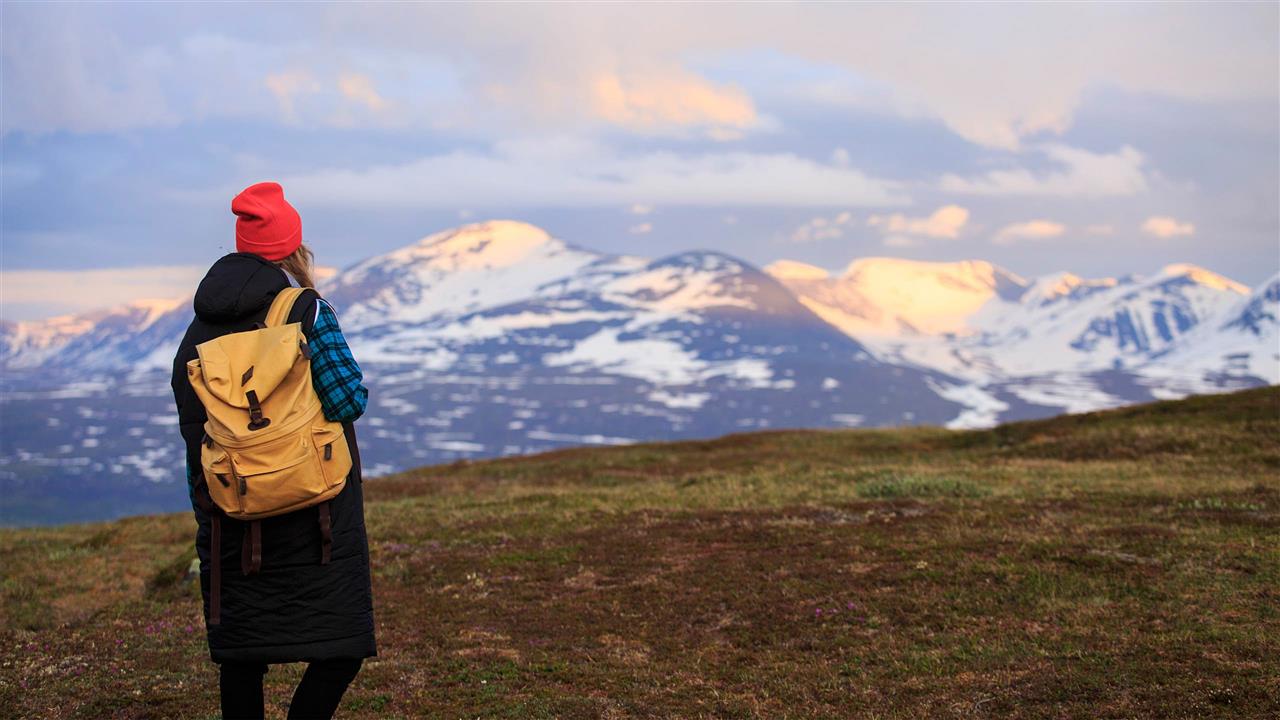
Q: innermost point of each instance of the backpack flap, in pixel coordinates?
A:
(254, 360)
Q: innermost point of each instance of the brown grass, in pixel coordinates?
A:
(1119, 564)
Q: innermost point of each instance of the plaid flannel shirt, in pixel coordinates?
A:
(334, 372)
(335, 376)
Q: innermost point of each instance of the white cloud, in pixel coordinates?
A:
(287, 86)
(639, 209)
(359, 88)
(822, 228)
(998, 78)
(945, 222)
(1080, 173)
(995, 78)
(641, 229)
(60, 72)
(840, 157)
(900, 241)
(563, 172)
(670, 101)
(1030, 230)
(1100, 229)
(1164, 227)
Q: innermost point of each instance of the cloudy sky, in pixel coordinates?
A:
(1102, 139)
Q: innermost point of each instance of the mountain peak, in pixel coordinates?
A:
(1063, 285)
(886, 297)
(972, 278)
(710, 261)
(495, 238)
(476, 246)
(1201, 276)
(795, 270)
(979, 274)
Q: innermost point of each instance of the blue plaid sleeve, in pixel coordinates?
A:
(334, 372)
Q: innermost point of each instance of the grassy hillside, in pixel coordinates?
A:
(1117, 564)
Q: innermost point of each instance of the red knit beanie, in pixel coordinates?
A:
(267, 224)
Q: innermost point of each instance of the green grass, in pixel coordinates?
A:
(1116, 564)
(894, 485)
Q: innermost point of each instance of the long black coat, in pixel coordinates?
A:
(294, 609)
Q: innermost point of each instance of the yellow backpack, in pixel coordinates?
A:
(267, 448)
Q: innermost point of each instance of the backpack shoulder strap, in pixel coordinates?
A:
(281, 306)
(304, 310)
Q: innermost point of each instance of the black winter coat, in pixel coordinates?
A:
(295, 608)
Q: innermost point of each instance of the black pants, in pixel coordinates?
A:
(316, 698)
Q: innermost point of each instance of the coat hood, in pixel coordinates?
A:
(237, 286)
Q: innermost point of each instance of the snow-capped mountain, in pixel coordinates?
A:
(1055, 340)
(1242, 342)
(490, 339)
(101, 338)
(694, 343)
(497, 338)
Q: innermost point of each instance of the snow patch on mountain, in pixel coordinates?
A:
(481, 327)
(1073, 392)
(982, 409)
(678, 288)
(691, 401)
(663, 362)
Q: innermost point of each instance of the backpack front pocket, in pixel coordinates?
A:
(331, 448)
(220, 477)
(277, 476)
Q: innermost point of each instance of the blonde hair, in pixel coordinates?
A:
(298, 264)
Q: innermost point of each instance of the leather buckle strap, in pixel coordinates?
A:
(205, 503)
(326, 532)
(251, 548)
(256, 420)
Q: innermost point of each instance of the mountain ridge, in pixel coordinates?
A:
(497, 338)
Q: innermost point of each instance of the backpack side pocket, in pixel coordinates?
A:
(333, 452)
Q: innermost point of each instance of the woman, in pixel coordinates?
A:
(293, 608)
